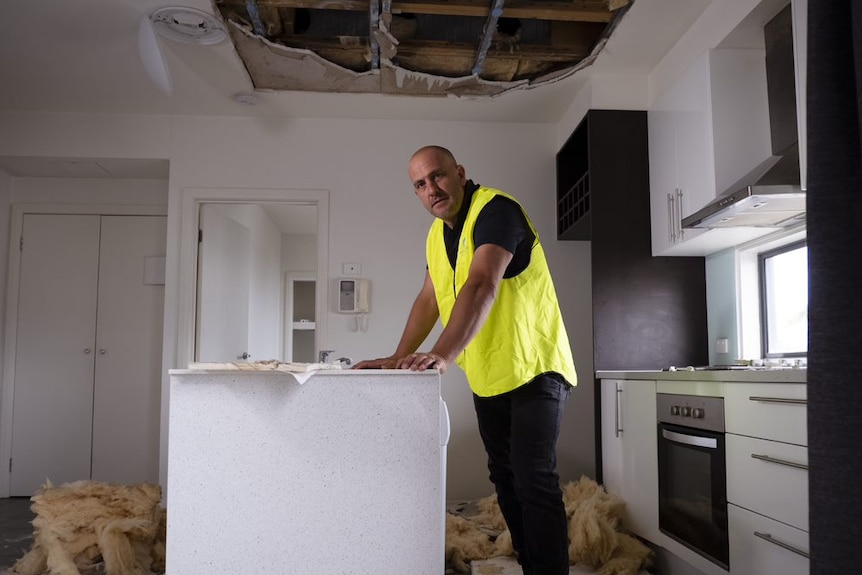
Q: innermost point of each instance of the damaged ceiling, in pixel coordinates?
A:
(416, 47)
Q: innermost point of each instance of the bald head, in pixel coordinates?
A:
(439, 150)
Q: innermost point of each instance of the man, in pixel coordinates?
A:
(488, 282)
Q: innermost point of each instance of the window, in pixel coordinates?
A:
(783, 274)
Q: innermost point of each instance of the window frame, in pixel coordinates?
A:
(762, 258)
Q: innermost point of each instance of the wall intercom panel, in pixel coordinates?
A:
(353, 295)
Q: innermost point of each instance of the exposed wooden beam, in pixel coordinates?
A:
(271, 20)
(571, 11)
(523, 52)
(441, 49)
(527, 9)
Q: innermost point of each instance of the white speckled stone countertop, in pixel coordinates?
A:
(789, 375)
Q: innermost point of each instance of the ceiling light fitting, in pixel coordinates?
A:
(188, 25)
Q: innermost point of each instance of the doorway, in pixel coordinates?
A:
(300, 316)
(292, 213)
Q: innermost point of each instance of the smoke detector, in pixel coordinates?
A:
(188, 25)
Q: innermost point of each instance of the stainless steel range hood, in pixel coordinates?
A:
(769, 196)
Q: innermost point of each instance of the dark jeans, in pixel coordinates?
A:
(520, 430)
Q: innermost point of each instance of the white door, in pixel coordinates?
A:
(53, 394)
(223, 287)
(129, 349)
(88, 350)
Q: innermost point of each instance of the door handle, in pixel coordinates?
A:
(707, 442)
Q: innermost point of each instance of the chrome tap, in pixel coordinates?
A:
(323, 355)
(344, 360)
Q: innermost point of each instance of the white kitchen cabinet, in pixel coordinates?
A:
(709, 130)
(771, 411)
(767, 478)
(762, 546)
(629, 448)
(87, 363)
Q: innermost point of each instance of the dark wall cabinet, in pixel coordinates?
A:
(648, 312)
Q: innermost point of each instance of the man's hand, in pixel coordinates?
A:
(379, 363)
(420, 361)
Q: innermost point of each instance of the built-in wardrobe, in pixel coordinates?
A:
(86, 305)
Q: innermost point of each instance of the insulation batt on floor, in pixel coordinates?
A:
(86, 526)
(596, 541)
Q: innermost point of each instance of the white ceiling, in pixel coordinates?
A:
(81, 56)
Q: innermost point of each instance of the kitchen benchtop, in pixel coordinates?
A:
(788, 375)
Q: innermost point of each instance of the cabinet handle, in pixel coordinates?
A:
(87, 351)
(678, 220)
(779, 461)
(778, 400)
(774, 541)
(671, 227)
(617, 428)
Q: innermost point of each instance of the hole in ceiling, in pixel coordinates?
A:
(417, 47)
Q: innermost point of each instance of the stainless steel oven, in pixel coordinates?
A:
(692, 481)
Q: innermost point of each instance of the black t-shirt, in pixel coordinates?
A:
(501, 222)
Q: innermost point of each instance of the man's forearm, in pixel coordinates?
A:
(468, 316)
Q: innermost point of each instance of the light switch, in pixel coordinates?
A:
(351, 269)
(721, 345)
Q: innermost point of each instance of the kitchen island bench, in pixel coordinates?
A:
(343, 473)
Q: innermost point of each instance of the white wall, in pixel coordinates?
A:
(707, 32)
(298, 252)
(375, 220)
(721, 305)
(89, 191)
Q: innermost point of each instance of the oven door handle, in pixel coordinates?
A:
(697, 441)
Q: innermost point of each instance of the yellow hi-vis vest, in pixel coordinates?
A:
(524, 335)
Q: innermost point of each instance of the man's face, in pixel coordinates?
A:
(439, 184)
